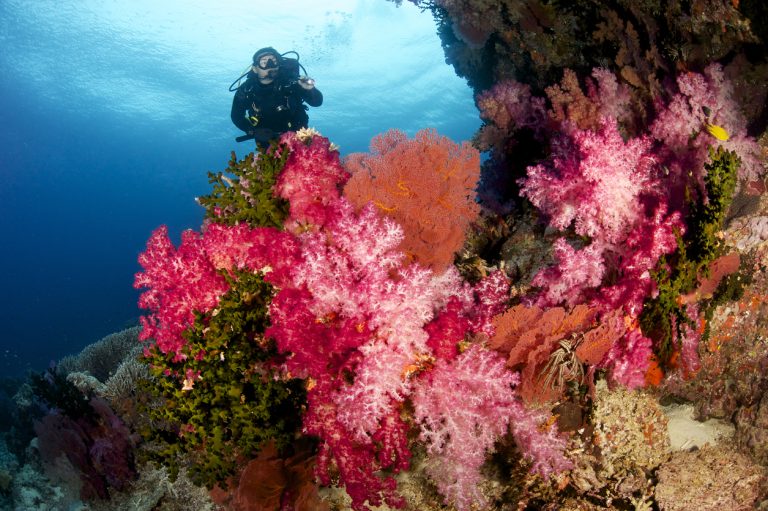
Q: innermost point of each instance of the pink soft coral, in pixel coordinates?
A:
(352, 271)
(575, 272)
(595, 181)
(681, 126)
(629, 358)
(463, 406)
(358, 462)
(311, 179)
(654, 237)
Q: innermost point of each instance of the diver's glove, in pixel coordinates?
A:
(306, 83)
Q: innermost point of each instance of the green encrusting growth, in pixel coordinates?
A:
(664, 317)
(707, 218)
(211, 423)
(248, 196)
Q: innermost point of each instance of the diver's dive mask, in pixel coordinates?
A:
(268, 63)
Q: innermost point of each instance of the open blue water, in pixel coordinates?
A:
(112, 112)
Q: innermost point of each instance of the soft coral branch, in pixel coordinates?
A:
(463, 406)
(595, 181)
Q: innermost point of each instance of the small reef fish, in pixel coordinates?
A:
(717, 131)
(713, 129)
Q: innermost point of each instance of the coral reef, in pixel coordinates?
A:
(711, 478)
(370, 331)
(406, 328)
(102, 358)
(32, 491)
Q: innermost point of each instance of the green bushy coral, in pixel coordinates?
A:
(664, 316)
(707, 217)
(248, 196)
(217, 420)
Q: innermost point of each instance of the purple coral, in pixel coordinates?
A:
(510, 106)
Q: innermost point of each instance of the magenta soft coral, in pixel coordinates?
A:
(311, 179)
(652, 238)
(318, 346)
(352, 272)
(188, 279)
(180, 282)
(609, 191)
(357, 462)
(575, 272)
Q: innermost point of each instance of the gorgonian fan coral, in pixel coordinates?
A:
(427, 184)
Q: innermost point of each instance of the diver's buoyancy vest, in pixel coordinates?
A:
(277, 106)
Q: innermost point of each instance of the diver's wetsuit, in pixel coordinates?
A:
(279, 107)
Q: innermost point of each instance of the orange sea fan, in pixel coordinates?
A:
(595, 343)
(529, 335)
(427, 184)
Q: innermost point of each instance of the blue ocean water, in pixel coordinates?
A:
(112, 112)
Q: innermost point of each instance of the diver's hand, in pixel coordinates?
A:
(307, 83)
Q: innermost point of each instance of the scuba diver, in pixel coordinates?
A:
(271, 100)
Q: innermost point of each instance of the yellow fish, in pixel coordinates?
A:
(717, 131)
